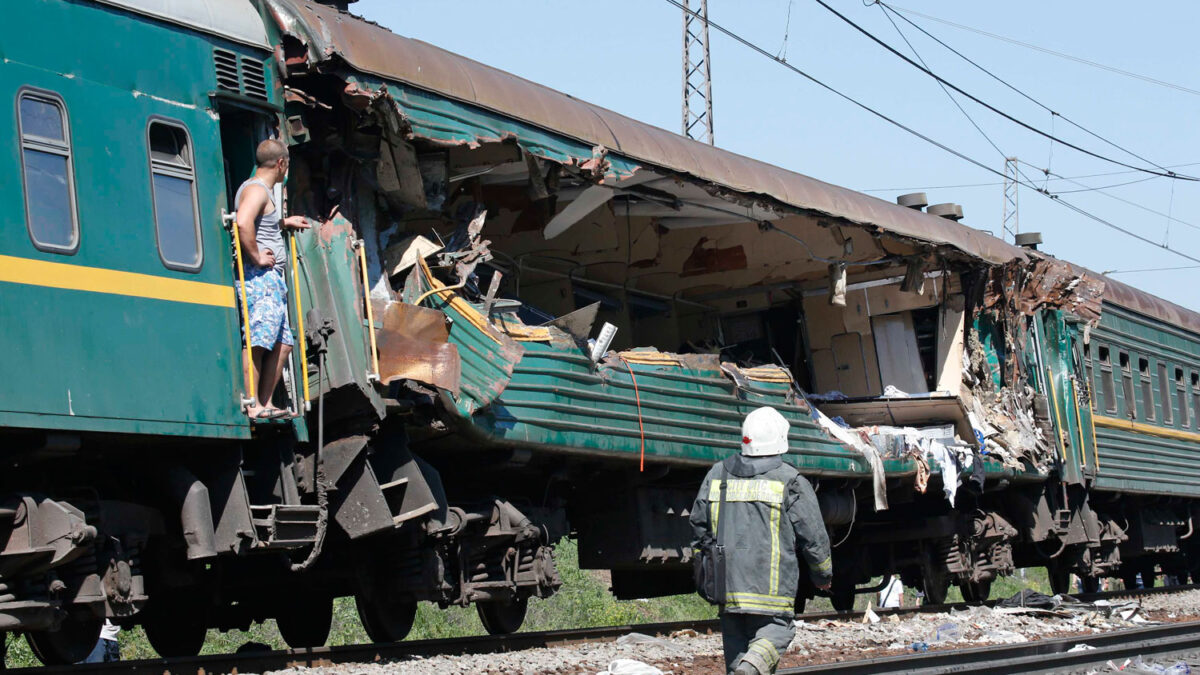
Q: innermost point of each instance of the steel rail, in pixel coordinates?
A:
(216, 664)
(1040, 656)
(253, 662)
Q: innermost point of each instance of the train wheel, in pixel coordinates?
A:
(305, 622)
(71, 643)
(935, 588)
(975, 591)
(176, 624)
(502, 618)
(385, 619)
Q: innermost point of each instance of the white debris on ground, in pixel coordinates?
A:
(816, 641)
(669, 655)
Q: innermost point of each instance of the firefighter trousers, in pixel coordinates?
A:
(756, 639)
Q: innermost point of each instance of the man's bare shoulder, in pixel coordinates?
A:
(254, 191)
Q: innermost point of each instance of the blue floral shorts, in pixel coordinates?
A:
(266, 295)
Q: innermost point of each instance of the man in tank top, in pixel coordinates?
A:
(264, 259)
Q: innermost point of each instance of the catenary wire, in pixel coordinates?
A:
(1152, 269)
(1144, 78)
(973, 185)
(888, 8)
(743, 41)
(985, 104)
(1101, 191)
(951, 96)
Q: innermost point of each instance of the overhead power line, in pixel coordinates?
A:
(1089, 188)
(888, 8)
(743, 41)
(985, 104)
(1111, 69)
(998, 184)
(1012, 170)
(1152, 269)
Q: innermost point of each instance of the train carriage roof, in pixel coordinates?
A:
(369, 48)
(236, 20)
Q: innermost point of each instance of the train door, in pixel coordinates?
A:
(1060, 384)
(242, 129)
(1083, 399)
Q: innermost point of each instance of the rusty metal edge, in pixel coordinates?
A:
(372, 49)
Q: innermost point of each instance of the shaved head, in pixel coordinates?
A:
(269, 152)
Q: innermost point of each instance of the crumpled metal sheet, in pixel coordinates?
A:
(524, 108)
(1050, 283)
(486, 356)
(1128, 297)
(413, 345)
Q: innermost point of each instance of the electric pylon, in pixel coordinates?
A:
(697, 75)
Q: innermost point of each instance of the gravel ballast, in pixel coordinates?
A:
(819, 641)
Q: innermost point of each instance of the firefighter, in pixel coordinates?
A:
(771, 512)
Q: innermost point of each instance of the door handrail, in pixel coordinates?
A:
(243, 306)
(300, 318)
(362, 258)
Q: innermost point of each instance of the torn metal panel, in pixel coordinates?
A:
(451, 99)
(487, 356)
(413, 345)
(1050, 283)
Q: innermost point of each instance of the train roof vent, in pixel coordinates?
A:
(254, 80)
(227, 71)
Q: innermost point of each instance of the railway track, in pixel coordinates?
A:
(254, 662)
(1167, 642)
(484, 644)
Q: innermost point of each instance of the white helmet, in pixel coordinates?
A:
(764, 433)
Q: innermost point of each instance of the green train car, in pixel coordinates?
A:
(520, 317)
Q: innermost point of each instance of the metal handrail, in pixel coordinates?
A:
(300, 318)
(243, 306)
(366, 282)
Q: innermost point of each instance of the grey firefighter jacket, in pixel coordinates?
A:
(771, 511)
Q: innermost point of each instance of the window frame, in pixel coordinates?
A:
(175, 172)
(1195, 377)
(1147, 387)
(1108, 384)
(1181, 403)
(1164, 392)
(48, 146)
(1125, 360)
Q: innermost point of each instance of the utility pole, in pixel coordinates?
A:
(1012, 221)
(697, 75)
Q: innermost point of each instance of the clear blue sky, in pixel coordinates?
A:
(625, 55)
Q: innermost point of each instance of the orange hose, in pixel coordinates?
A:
(641, 427)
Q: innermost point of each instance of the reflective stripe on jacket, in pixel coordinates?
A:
(771, 512)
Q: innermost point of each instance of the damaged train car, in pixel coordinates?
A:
(520, 317)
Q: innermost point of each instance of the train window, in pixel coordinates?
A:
(1164, 393)
(1107, 385)
(48, 173)
(1196, 399)
(1147, 389)
(1127, 385)
(173, 176)
(1181, 404)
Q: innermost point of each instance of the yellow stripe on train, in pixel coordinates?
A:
(1138, 427)
(97, 280)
